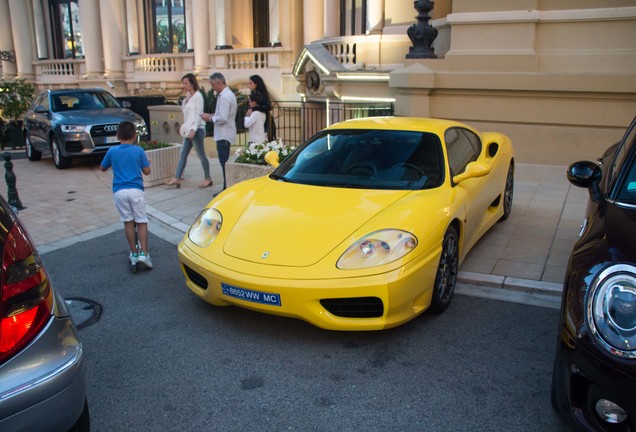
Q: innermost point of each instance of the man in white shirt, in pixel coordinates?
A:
(224, 119)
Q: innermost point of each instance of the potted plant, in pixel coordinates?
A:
(15, 98)
(249, 162)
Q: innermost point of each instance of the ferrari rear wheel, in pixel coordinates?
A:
(508, 192)
(446, 277)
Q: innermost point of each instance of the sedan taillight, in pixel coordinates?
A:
(26, 298)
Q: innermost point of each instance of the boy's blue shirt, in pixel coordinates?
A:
(127, 161)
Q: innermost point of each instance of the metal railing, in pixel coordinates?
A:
(296, 122)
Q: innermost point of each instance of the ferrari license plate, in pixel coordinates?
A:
(111, 139)
(251, 295)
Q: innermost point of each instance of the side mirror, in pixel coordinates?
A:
(271, 157)
(588, 175)
(126, 104)
(473, 170)
(40, 110)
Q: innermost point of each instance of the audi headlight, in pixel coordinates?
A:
(378, 248)
(611, 309)
(73, 128)
(206, 227)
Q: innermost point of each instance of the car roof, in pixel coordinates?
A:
(417, 124)
(76, 90)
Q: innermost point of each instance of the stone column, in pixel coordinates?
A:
(222, 17)
(375, 16)
(112, 14)
(200, 39)
(313, 16)
(21, 31)
(40, 30)
(9, 69)
(332, 21)
(274, 23)
(92, 38)
(188, 24)
(132, 25)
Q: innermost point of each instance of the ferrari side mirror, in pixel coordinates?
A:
(473, 170)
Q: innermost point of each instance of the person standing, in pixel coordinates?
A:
(255, 120)
(193, 131)
(224, 119)
(256, 84)
(129, 162)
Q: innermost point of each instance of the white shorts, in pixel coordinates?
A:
(131, 205)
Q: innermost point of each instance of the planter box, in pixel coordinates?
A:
(163, 165)
(13, 136)
(237, 172)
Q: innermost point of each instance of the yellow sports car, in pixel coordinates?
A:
(363, 227)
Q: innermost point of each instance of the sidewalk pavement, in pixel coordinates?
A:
(527, 254)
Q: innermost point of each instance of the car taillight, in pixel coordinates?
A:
(26, 296)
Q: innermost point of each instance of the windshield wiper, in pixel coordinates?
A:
(279, 177)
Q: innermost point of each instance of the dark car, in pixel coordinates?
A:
(594, 379)
(75, 123)
(42, 372)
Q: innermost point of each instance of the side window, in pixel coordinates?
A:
(627, 193)
(45, 101)
(462, 147)
(621, 154)
(40, 101)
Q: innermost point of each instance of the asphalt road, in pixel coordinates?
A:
(159, 359)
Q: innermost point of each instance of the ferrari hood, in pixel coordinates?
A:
(297, 225)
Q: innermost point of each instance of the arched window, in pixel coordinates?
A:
(165, 26)
(67, 36)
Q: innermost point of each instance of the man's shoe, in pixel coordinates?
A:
(133, 257)
(144, 259)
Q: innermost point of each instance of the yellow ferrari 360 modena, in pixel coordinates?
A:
(363, 227)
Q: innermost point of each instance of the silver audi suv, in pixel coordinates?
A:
(74, 123)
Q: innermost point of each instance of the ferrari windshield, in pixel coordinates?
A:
(368, 159)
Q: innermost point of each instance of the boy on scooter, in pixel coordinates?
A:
(129, 162)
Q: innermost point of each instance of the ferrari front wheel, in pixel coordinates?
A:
(447, 268)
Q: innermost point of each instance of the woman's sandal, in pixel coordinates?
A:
(174, 182)
(206, 183)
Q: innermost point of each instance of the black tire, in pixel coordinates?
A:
(31, 153)
(447, 269)
(83, 424)
(508, 192)
(60, 161)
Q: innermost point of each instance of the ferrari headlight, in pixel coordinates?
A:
(206, 227)
(378, 248)
(73, 128)
(611, 309)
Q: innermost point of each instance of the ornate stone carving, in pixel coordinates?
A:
(422, 34)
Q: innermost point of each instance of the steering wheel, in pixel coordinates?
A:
(411, 167)
(363, 169)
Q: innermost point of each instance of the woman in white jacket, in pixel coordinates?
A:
(192, 130)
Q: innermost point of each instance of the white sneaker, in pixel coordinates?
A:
(133, 257)
(145, 260)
